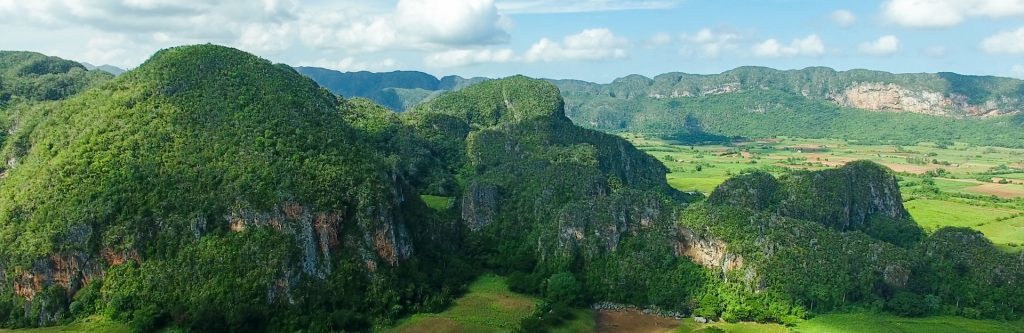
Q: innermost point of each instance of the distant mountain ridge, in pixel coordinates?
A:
(398, 90)
(106, 68)
(942, 94)
(815, 102)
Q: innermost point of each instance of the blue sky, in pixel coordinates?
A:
(595, 40)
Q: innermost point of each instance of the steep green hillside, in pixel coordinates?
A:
(822, 266)
(30, 86)
(30, 76)
(213, 190)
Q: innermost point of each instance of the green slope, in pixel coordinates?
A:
(214, 190)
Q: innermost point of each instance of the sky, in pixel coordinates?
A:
(594, 40)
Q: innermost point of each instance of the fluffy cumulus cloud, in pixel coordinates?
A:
(843, 18)
(589, 45)
(947, 13)
(709, 43)
(883, 46)
(413, 24)
(811, 45)
(452, 22)
(1005, 42)
(271, 26)
(191, 19)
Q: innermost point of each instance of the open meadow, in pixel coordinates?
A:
(488, 307)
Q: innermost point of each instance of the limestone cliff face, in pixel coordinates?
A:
(479, 205)
(376, 237)
(895, 98)
(706, 251)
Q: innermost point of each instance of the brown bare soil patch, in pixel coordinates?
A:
(909, 168)
(829, 160)
(633, 321)
(1008, 191)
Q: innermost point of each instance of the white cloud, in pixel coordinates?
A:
(414, 24)
(807, 46)
(189, 19)
(843, 18)
(581, 6)
(710, 43)
(461, 22)
(349, 64)
(270, 26)
(883, 46)
(1005, 42)
(1017, 71)
(589, 45)
(108, 50)
(462, 58)
(265, 38)
(947, 13)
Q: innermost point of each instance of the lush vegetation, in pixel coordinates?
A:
(210, 190)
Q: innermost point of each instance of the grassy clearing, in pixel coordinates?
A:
(488, 307)
(933, 214)
(881, 323)
(1008, 233)
(438, 203)
(95, 324)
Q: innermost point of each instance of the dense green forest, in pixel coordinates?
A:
(211, 190)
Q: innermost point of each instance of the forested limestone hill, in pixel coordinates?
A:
(212, 190)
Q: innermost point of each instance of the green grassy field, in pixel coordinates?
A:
(880, 323)
(860, 322)
(957, 185)
(437, 202)
(932, 214)
(94, 324)
(488, 307)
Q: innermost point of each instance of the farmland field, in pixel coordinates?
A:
(95, 324)
(488, 307)
(943, 185)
